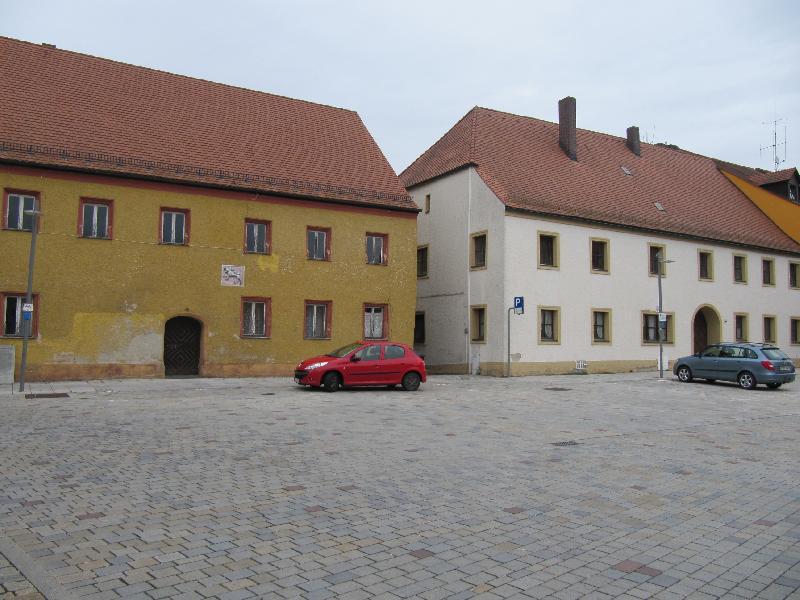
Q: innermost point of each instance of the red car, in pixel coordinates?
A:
(364, 363)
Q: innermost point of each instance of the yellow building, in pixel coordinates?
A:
(190, 227)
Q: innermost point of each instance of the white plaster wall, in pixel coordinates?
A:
(628, 290)
(461, 204)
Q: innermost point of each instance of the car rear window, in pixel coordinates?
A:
(394, 352)
(774, 354)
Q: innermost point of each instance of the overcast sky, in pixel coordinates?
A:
(707, 76)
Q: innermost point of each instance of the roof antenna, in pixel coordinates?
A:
(776, 159)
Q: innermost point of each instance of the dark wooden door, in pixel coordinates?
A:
(700, 332)
(182, 346)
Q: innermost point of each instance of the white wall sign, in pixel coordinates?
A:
(232, 275)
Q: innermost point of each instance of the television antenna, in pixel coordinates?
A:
(775, 146)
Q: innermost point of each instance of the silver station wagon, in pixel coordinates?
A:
(748, 364)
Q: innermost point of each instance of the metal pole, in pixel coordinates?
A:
(660, 327)
(27, 326)
(508, 355)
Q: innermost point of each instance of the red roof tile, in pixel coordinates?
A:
(64, 109)
(520, 160)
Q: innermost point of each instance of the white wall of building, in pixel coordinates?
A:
(460, 204)
(629, 289)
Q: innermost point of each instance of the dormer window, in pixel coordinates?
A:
(793, 190)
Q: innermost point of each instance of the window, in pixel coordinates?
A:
(599, 256)
(16, 204)
(13, 319)
(657, 254)
(794, 271)
(705, 264)
(478, 258)
(318, 319)
(256, 317)
(478, 324)
(95, 219)
(376, 321)
(740, 328)
(257, 237)
(548, 250)
(650, 328)
(368, 353)
(601, 326)
(419, 328)
(794, 334)
(377, 248)
(393, 352)
(767, 271)
(549, 326)
(769, 329)
(739, 268)
(793, 193)
(422, 261)
(318, 243)
(174, 226)
(427, 203)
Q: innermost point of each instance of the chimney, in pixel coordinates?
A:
(633, 140)
(567, 137)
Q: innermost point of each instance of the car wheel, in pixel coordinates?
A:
(747, 380)
(773, 386)
(411, 381)
(684, 374)
(331, 382)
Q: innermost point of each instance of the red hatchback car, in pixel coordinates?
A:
(364, 363)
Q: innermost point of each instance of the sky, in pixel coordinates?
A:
(709, 76)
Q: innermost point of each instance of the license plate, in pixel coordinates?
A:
(785, 369)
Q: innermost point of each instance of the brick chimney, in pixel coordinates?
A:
(633, 141)
(567, 136)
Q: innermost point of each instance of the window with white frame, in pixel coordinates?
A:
(255, 317)
(376, 248)
(375, 321)
(318, 243)
(256, 237)
(174, 227)
(95, 219)
(17, 205)
(317, 320)
(13, 317)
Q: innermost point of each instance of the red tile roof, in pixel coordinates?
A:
(520, 160)
(64, 109)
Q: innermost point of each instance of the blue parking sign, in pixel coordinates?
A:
(519, 305)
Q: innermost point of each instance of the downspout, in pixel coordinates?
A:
(469, 280)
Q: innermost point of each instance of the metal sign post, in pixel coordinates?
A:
(519, 309)
(27, 321)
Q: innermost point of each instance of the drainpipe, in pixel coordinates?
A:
(469, 280)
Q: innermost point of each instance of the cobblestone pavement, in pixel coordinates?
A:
(564, 487)
(14, 584)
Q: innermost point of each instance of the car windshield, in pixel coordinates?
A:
(774, 354)
(343, 351)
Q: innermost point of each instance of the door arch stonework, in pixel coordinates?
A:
(706, 328)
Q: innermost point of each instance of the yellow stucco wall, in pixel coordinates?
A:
(103, 304)
(784, 213)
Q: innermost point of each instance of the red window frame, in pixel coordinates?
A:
(110, 226)
(267, 317)
(385, 255)
(328, 318)
(385, 308)
(328, 235)
(187, 224)
(9, 191)
(267, 236)
(34, 328)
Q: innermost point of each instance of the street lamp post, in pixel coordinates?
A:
(27, 324)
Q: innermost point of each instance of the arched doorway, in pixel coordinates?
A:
(706, 328)
(182, 346)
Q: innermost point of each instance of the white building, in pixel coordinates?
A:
(575, 222)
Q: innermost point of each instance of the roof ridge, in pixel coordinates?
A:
(170, 73)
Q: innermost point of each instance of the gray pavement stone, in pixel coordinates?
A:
(207, 488)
